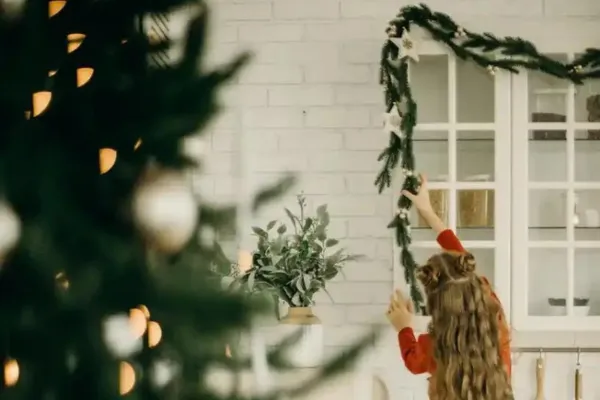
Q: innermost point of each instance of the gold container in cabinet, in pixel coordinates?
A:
(476, 208)
(439, 203)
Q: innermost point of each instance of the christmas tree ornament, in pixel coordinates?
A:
(194, 147)
(120, 337)
(406, 45)
(163, 372)
(10, 229)
(392, 122)
(165, 210)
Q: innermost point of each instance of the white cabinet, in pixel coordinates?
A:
(556, 203)
(514, 168)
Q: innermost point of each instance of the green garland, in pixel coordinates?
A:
(487, 51)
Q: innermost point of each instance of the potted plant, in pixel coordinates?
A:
(295, 262)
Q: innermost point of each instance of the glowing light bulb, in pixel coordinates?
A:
(41, 100)
(145, 310)
(74, 40)
(137, 144)
(11, 372)
(154, 333)
(126, 378)
(107, 158)
(84, 75)
(139, 322)
(54, 7)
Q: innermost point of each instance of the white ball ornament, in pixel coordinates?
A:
(10, 229)
(165, 210)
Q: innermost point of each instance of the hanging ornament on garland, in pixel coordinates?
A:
(165, 210)
(393, 121)
(10, 229)
(406, 45)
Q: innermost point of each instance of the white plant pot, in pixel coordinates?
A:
(308, 351)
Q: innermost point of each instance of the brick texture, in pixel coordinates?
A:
(311, 103)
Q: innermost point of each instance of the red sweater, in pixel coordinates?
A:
(418, 353)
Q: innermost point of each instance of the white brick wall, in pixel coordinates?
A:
(311, 102)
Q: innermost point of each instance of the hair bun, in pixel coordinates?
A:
(428, 275)
(466, 263)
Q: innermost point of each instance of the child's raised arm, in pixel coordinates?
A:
(423, 204)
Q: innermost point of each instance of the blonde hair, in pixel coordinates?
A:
(465, 330)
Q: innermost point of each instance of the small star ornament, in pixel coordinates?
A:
(406, 45)
(392, 122)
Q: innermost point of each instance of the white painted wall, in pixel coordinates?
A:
(312, 104)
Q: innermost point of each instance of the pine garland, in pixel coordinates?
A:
(486, 50)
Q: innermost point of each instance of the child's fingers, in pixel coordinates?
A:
(408, 195)
(423, 179)
(399, 296)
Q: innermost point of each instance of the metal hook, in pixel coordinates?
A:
(578, 357)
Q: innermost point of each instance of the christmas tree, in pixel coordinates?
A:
(107, 287)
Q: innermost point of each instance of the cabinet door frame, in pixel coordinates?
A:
(522, 321)
(501, 184)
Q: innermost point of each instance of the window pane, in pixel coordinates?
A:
(547, 282)
(547, 214)
(429, 82)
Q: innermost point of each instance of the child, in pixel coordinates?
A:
(467, 347)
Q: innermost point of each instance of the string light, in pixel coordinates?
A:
(52, 73)
(126, 378)
(27, 114)
(84, 75)
(139, 321)
(154, 334)
(137, 144)
(139, 318)
(41, 100)
(54, 7)
(74, 40)
(107, 158)
(11, 372)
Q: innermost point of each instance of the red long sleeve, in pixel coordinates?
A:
(449, 242)
(415, 353)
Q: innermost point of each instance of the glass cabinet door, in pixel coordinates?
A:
(462, 143)
(556, 202)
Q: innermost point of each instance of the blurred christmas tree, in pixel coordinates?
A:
(99, 229)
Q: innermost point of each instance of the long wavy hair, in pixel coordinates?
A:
(465, 330)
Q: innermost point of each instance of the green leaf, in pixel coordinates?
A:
(260, 232)
(282, 229)
(307, 224)
(298, 284)
(296, 300)
(322, 211)
(271, 224)
(306, 281)
(251, 279)
(291, 216)
(331, 242)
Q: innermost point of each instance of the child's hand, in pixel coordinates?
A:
(421, 199)
(400, 311)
